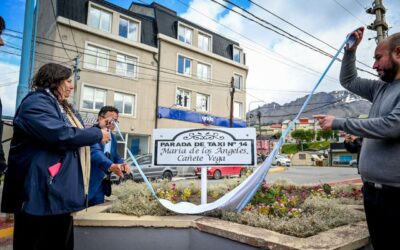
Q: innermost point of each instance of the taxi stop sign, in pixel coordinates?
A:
(204, 147)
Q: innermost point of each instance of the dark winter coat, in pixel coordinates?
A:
(42, 137)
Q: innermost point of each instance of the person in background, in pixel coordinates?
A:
(353, 144)
(105, 159)
(48, 164)
(379, 156)
(3, 165)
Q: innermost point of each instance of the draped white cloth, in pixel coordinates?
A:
(240, 196)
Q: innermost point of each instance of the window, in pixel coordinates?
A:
(183, 98)
(96, 58)
(203, 71)
(237, 109)
(129, 29)
(185, 34)
(204, 42)
(202, 102)
(302, 156)
(237, 81)
(93, 98)
(144, 160)
(99, 19)
(124, 103)
(126, 66)
(184, 66)
(237, 54)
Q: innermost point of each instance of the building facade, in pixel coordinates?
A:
(159, 70)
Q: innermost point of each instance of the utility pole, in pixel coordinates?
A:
(22, 89)
(259, 123)
(232, 90)
(76, 77)
(158, 60)
(379, 25)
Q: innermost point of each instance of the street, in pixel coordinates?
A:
(311, 175)
(300, 175)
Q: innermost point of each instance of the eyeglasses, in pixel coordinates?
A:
(112, 120)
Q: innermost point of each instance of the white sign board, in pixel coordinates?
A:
(204, 147)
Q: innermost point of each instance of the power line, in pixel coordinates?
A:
(252, 47)
(70, 27)
(274, 28)
(198, 82)
(8, 84)
(10, 72)
(162, 80)
(358, 2)
(305, 111)
(286, 34)
(173, 80)
(193, 81)
(139, 66)
(300, 29)
(58, 30)
(11, 53)
(348, 11)
(314, 72)
(165, 79)
(172, 71)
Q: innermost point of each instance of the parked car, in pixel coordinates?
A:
(260, 159)
(151, 171)
(353, 163)
(281, 160)
(218, 172)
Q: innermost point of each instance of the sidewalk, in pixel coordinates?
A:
(6, 229)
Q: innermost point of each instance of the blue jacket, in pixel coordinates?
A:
(42, 137)
(100, 164)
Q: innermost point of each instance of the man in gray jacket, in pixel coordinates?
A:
(380, 153)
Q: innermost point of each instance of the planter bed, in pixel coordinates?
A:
(280, 216)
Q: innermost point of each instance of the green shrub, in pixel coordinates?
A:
(318, 145)
(290, 148)
(300, 211)
(318, 215)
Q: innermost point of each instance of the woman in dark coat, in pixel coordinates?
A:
(48, 164)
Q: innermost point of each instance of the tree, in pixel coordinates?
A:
(301, 135)
(327, 134)
(277, 135)
(309, 135)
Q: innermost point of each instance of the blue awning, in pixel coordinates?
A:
(190, 116)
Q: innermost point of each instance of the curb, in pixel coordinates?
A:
(276, 170)
(356, 181)
(6, 227)
(6, 232)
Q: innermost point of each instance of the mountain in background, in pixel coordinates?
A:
(338, 103)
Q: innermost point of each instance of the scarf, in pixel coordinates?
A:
(70, 118)
(84, 152)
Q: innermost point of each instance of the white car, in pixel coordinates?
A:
(353, 163)
(281, 160)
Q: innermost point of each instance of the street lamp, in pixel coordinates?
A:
(248, 119)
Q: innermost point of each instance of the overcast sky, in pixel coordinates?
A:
(279, 69)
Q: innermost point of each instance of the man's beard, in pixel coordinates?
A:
(390, 73)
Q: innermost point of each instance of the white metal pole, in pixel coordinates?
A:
(204, 185)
